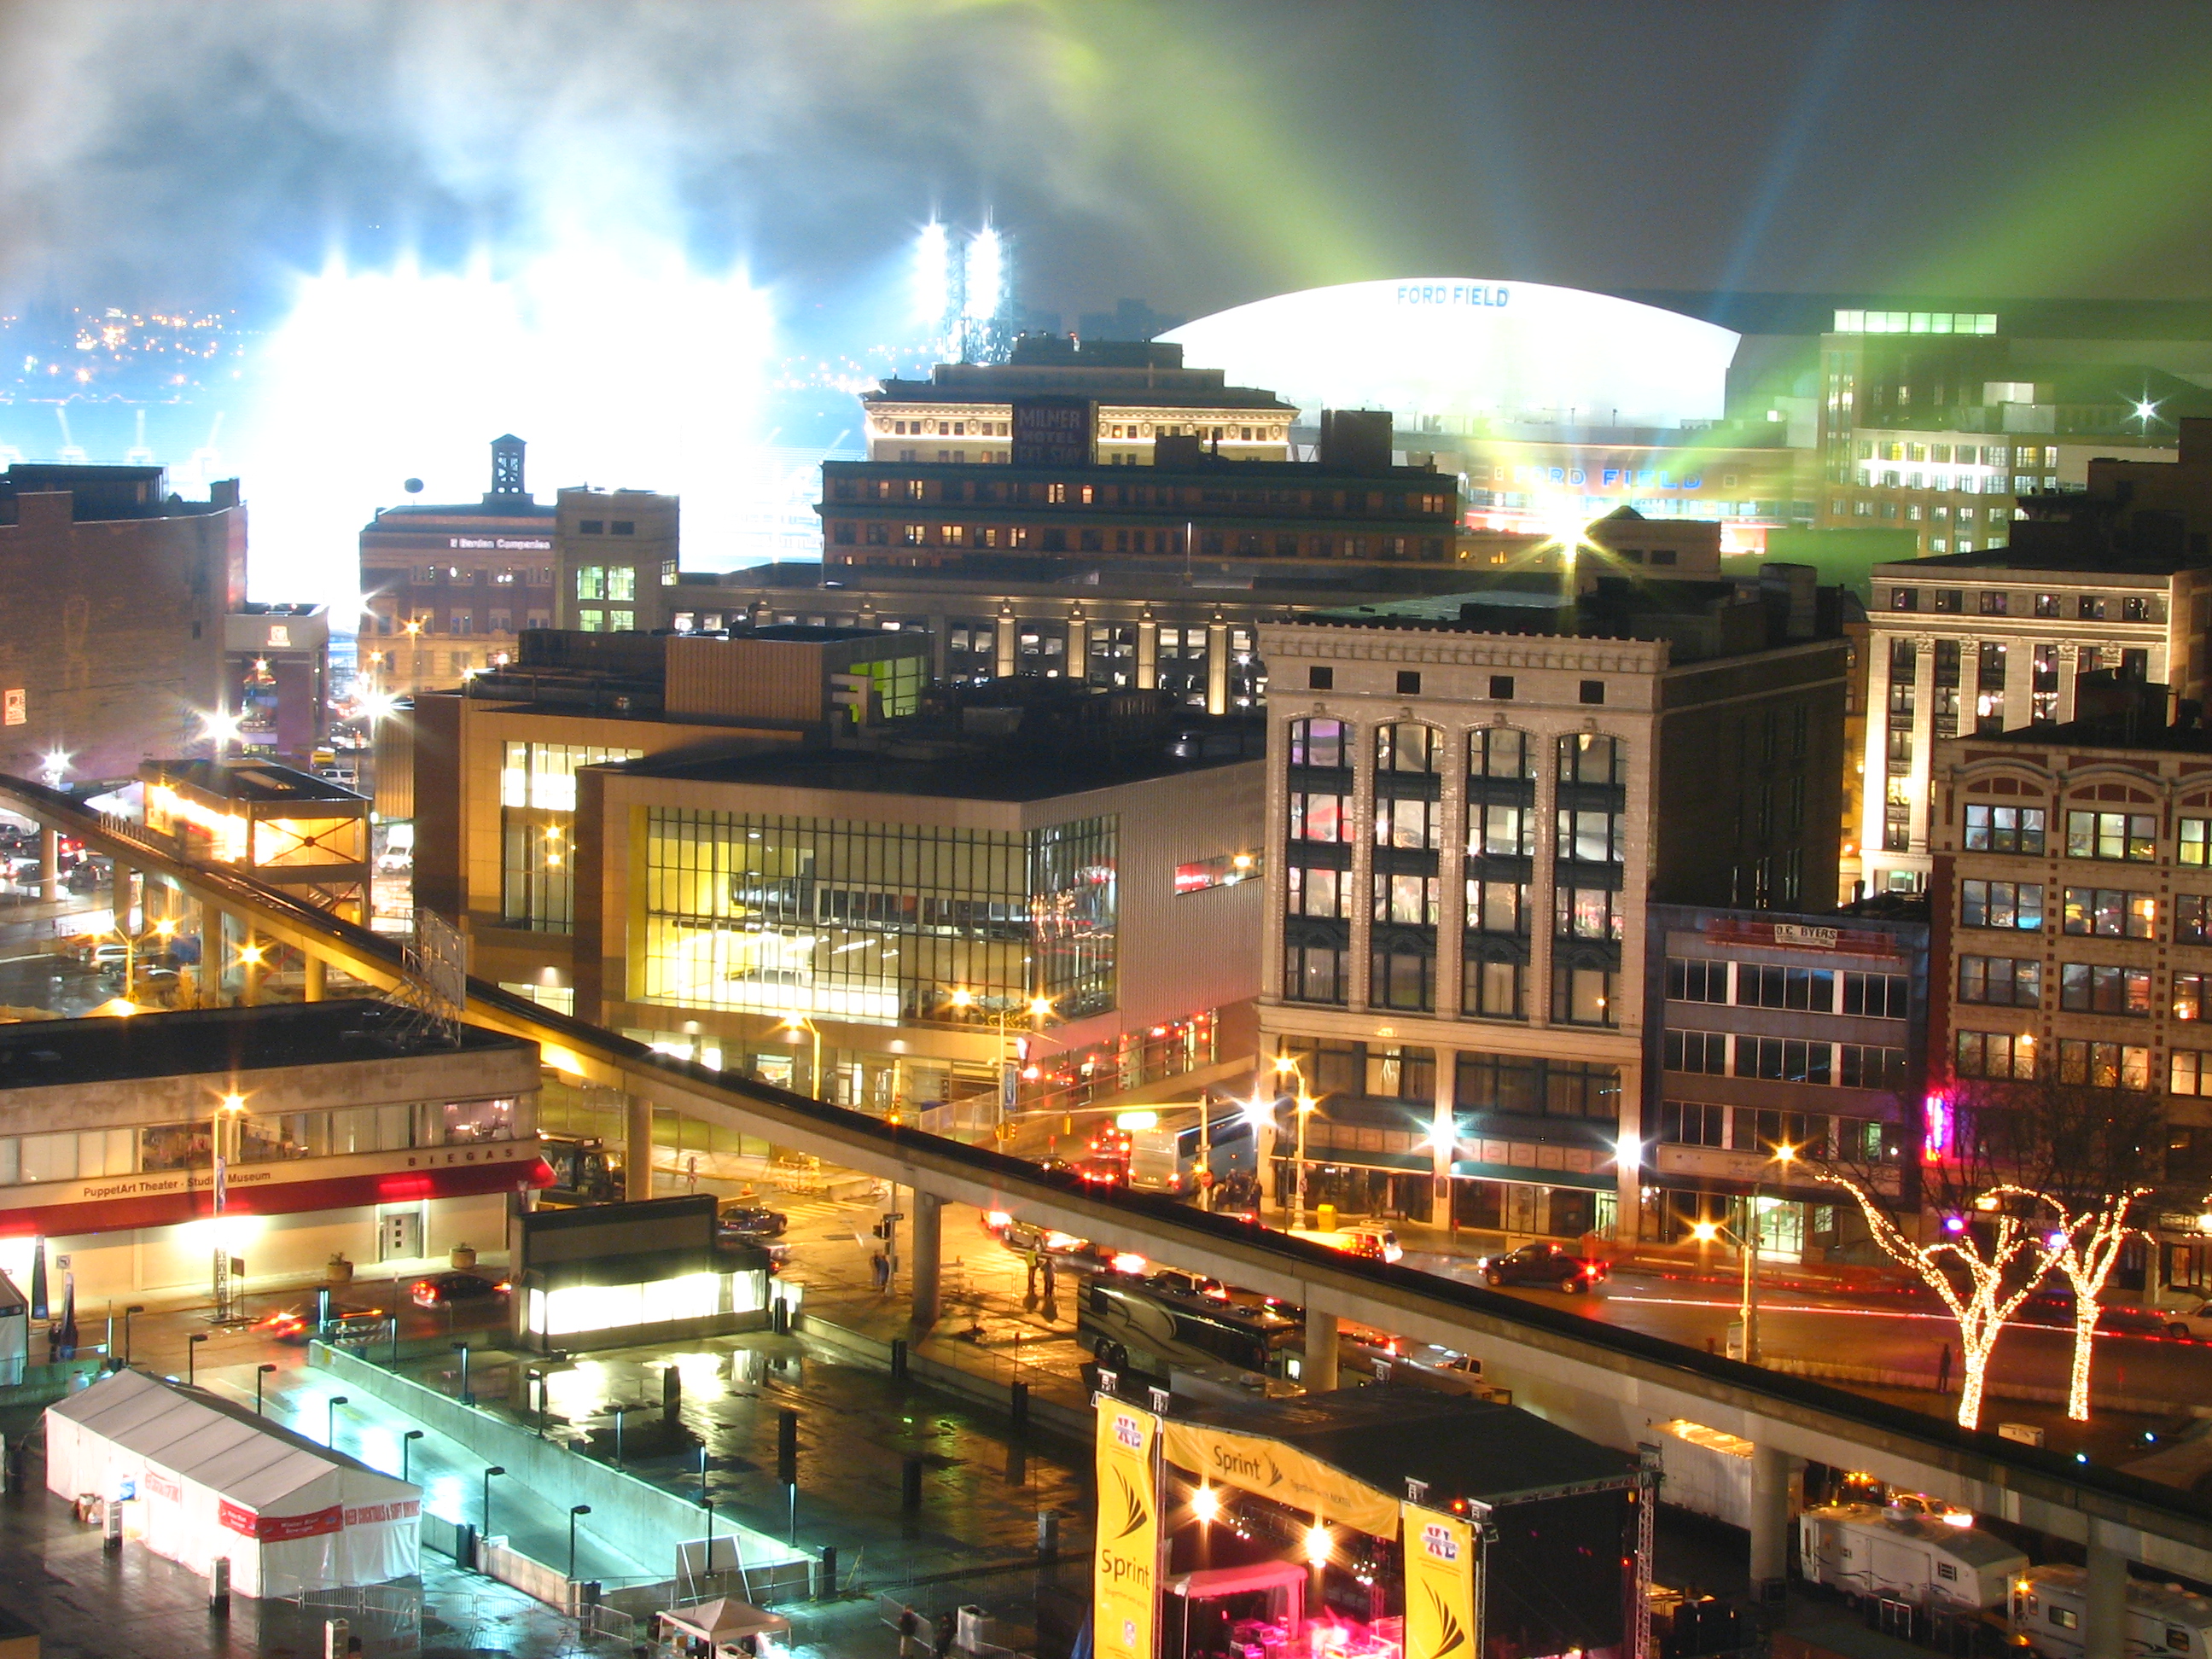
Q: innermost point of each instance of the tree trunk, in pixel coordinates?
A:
(1974, 1351)
(2085, 1342)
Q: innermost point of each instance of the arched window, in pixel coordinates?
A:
(1500, 751)
(1586, 757)
(1408, 746)
(1320, 743)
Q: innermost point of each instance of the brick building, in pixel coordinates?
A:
(116, 594)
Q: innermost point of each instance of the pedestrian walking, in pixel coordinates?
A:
(879, 1268)
(1943, 1371)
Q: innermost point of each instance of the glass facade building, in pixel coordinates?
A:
(876, 922)
(538, 821)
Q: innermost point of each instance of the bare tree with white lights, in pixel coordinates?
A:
(1990, 1245)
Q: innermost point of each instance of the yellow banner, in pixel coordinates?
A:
(1125, 1559)
(1439, 1586)
(1282, 1473)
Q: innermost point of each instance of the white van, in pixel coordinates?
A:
(2047, 1606)
(1864, 1550)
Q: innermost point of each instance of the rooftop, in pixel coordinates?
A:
(47, 1054)
(1006, 763)
(1464, 1449)
(249, 781)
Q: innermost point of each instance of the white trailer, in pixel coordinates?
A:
(1705, 1471)
(2048, 1607)
(1899, 1555)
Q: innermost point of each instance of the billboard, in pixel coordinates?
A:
(1466, 353)
(1054, 432)
(1440, 1617)
(1125, 1588)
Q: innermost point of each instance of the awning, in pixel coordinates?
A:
(725, 1618)
(1211, 1582)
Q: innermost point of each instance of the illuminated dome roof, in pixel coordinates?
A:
(1448, 352)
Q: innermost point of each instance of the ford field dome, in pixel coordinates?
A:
(1455, 354)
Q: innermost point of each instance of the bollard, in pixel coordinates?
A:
(672, 1391)
(911, 1485)
(335, 1633)
(1017, 1404)
(219, 1587)
(1047, 1534)
(826, 1583)
(779, 1317)
(898, 1359)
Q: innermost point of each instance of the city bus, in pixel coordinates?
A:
(1132, 1326)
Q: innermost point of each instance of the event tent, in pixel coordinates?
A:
(202, 1478)
(723, 1622)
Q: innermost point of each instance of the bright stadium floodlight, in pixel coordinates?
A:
(932, 275)
(986, 270)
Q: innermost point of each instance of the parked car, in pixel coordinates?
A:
(2195, 1321)
(441, 1289)
(1550, 1265)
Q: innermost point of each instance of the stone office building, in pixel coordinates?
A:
(1464, 824)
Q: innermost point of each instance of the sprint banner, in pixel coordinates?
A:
(1440, 1616)
(1125, 1576)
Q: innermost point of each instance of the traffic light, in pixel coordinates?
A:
(881, 1229)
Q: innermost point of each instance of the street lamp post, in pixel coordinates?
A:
(490, 1469)
(330, 1429)
(406, 1445)
(1000, 1008)
(462, 1349)
(1745, 1237)
(574, 1510)
(261, 1374)
(193, 1358)
(129, 1312)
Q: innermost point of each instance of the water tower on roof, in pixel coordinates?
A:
(507, 485)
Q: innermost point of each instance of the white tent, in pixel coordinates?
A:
(202, 1478)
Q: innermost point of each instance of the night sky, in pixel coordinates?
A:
(1195, 154)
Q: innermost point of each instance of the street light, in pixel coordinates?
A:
(490, 1469)
(133, 1308)
(1746, 1240)
(330, 1429)
(795, 1024)
(1000, 1008)
(260, 1374)
(574, 1510)
(462, 1349)
(406, 1445)
(192, 1355)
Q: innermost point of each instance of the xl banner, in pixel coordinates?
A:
(1125, 1571)
(1439, 1585)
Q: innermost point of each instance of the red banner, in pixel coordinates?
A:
(281, 1529)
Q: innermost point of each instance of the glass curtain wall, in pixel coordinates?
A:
(876, 922)
(538, 821)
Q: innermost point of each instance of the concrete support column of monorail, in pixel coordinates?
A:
(313, 982)
(637, 1147)
(50, 866)
(928, 1254)
(2104, 1600)
(1320, 1371)
(119, 885)
(1769, 1520)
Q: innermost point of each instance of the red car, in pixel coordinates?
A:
(442, 1288)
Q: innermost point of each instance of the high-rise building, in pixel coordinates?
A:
(1469, 805)
(2116, 575)
(2071, 894)
(446, 590)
